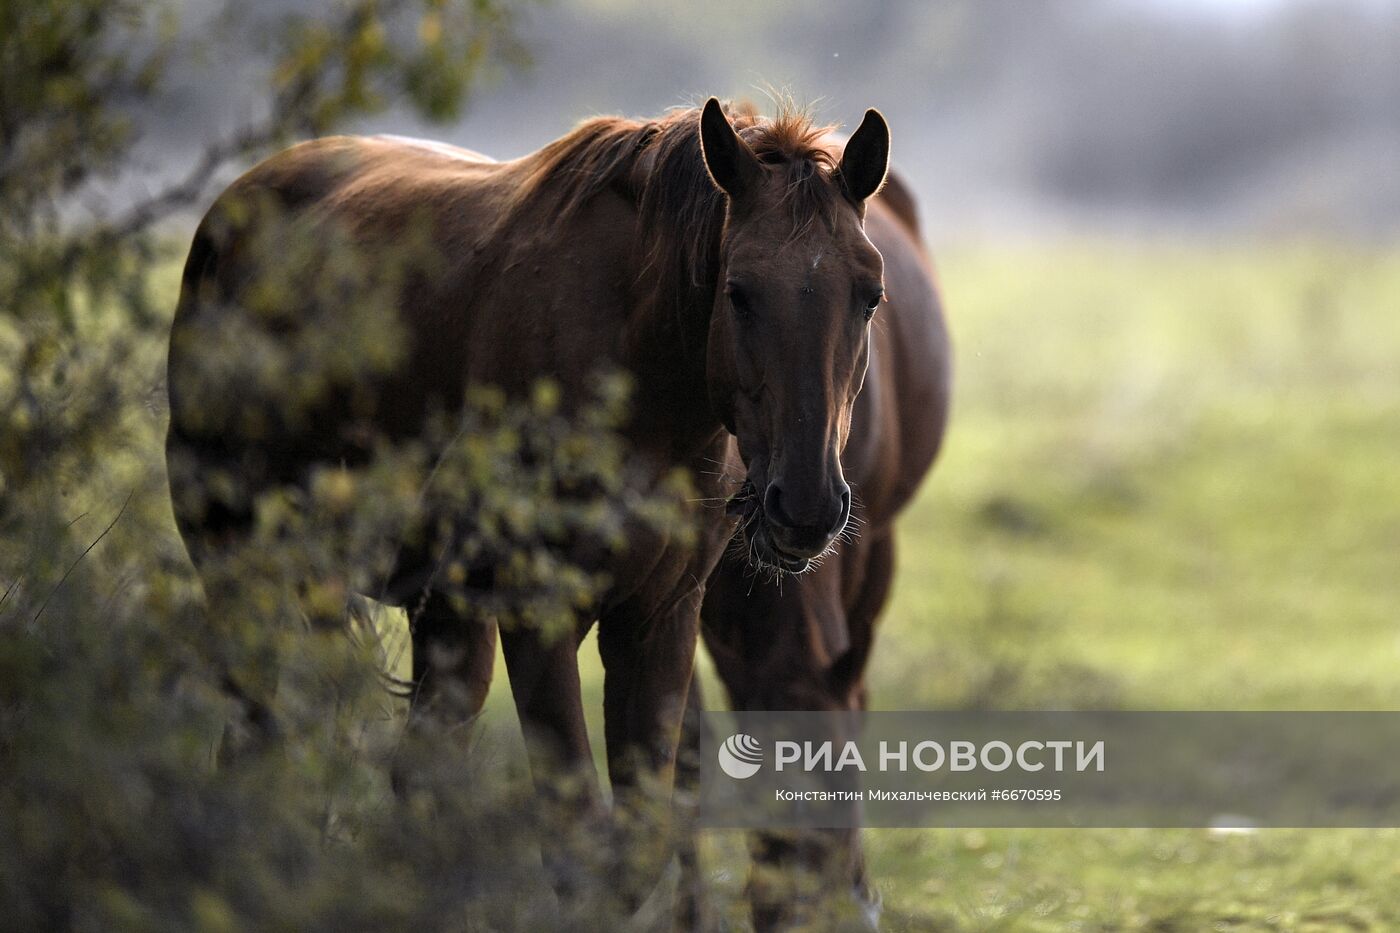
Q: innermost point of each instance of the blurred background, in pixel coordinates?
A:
(1188, 117)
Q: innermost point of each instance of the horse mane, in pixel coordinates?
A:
(658, 163)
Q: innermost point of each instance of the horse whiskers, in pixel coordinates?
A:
(723, 473)
(738, 548)
(713, 502)
(722, 476)
(744, 502)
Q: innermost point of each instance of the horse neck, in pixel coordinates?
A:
(666, 346)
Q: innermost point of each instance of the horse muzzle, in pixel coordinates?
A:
(775, 539)
(802, 534)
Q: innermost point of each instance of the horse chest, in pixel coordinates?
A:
(663, 565)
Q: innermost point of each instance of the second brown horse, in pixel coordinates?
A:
(802, 643)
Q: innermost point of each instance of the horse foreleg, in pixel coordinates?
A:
(692, 898)
(544, 680)
(647, 674)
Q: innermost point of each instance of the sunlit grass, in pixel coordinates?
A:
(1171, 483)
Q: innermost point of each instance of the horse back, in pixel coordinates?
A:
(489, 292)
(283, 268)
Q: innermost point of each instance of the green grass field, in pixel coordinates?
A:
(1172, 481)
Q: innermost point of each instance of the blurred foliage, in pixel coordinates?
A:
(113, 812)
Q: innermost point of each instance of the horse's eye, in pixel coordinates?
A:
(738, 299)
(872, 305)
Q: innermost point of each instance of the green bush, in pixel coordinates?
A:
(114, 810)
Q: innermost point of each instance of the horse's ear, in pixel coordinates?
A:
(866, 158)
(731, 163)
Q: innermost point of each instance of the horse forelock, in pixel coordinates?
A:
(796, 145)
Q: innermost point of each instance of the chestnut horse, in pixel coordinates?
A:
(719, 258)
(802, 643)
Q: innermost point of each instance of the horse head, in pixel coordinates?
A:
(798, 285)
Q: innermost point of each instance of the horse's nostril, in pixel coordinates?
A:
(823, 522)
(773, 505)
